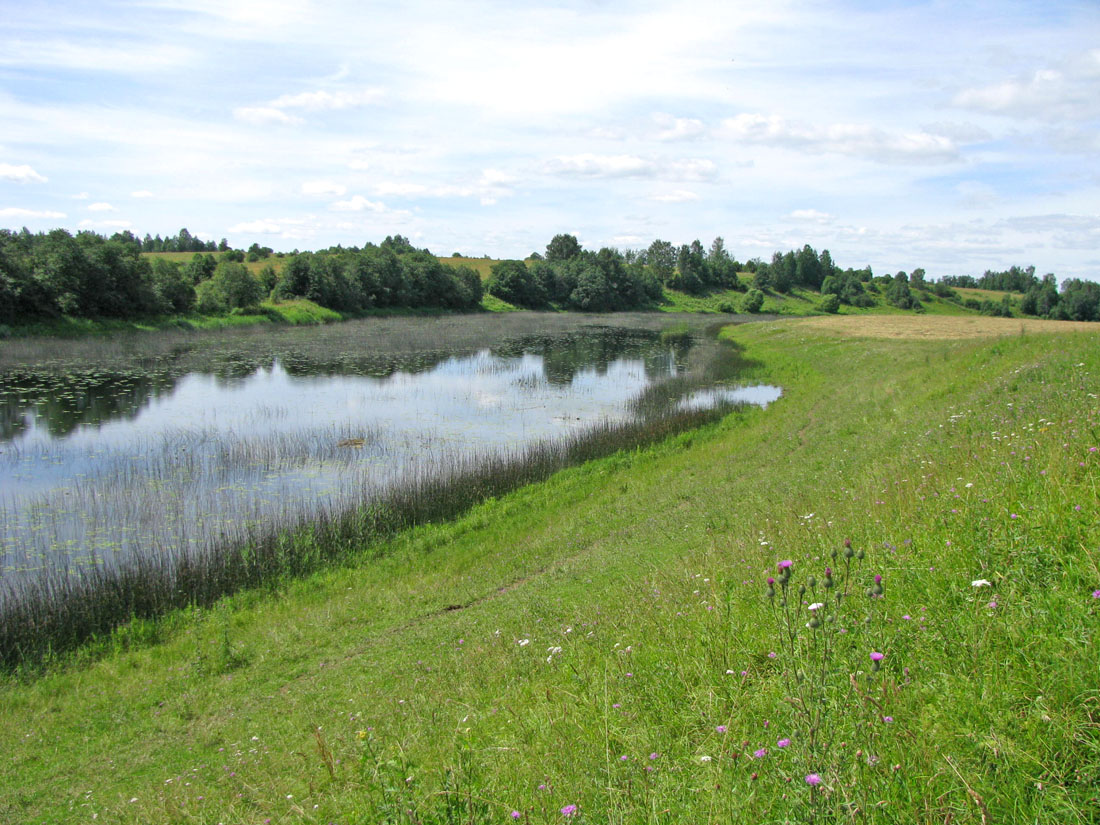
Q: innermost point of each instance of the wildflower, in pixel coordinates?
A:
(569, 810)
(760, 754)
(889, 720)
(654, 755)
(816, 606)
(876, 656)
(813, 779)
(704, 758)
(771, 655)
(785, 564)
(721, 728)
(523, 642)
(981, 583)
(516, 814)
(1096, 594)
(782, 743)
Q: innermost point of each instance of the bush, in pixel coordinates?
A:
(754, 299)
(830, 304)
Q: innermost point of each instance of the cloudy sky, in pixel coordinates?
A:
(950, 135)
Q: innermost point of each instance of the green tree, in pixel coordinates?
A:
(513, 282)
(562, 248)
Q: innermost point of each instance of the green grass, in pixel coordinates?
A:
(402, 681)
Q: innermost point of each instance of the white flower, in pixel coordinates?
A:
(523, 642)
(816, 606)
(704, 758)
(981, 583)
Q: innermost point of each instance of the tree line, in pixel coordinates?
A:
(51, 274)
(1077, 300)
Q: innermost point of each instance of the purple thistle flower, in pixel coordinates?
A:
(878, 579)
(771, 581)
(1096, 594)
(783, 565)
(813, 779)
(569, 810)
(721, 728)
(760, 754)
(782, 743)
(516, 814)
(654, 755)
(876, 656)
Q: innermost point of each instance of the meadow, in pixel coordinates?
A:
(629, 640)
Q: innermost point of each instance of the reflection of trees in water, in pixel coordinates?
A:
(65, 401)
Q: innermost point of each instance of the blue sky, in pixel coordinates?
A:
(953, 136)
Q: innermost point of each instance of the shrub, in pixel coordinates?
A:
(830, 304)
(754, 299)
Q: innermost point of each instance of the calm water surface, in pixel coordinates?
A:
(158, 455)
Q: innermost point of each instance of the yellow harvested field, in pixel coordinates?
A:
(932, 327)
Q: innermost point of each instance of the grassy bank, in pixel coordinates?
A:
(604, 640)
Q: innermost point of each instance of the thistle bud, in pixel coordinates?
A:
(812, 582)
(771, 593)
(876, 589)
(848, 551)
(814, 623)
(861, 555)
(833, 554)
(802, 590)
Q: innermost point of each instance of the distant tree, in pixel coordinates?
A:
(562, 248)
(231, 287)
(830, 304)
(592, 293)
(173, 285)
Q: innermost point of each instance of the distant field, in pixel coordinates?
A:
(983, 294)
(937, 327)
(184, 257)
(480, 265)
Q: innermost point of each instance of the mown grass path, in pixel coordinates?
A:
(603, 639)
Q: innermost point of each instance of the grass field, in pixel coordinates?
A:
(600, 647)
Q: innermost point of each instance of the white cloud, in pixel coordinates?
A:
(81, 196)
(588, 165)
(358, 203)
(265, 116)
(679, 196)
(20, 174)
(258, 227)
(322, 101)
(16, 212)
(323, 188)
(119, 57)
(856, 140)
(678, 128)
(101, 207)
(1069, 92)
(141, 193)
(810, 215)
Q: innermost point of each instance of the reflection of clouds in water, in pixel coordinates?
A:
(760, 395)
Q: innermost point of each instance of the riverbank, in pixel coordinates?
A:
(603, 638)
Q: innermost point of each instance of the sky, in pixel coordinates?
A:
(953, 136)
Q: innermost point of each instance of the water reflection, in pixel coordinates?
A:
(108, 465)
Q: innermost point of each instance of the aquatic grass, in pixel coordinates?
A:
(63, 605)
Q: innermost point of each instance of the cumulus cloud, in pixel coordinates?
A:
(679, 196)
(265, 116)
(258, 227)
(16, 212)
(101, 207)
(323, 188)
(358, 203)
(20, 174)
(1069, 92)
(857, 140)
(588, 165)
(812, 215)
(677, 128)
(323, 101)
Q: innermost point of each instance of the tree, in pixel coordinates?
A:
(513, 282)
(231, 287)
(562, 248)
(661, 260)
(593, 293)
